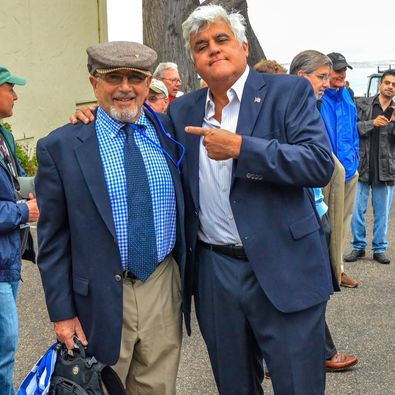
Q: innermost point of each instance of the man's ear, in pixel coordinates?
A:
(93, 81)
(149, 79)
(246, 48)
(300, 73)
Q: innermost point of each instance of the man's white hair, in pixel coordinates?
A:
(158, 73)
(209, 14)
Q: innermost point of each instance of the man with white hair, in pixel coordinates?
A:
(261, 277)
(255, 145)
(168, 73)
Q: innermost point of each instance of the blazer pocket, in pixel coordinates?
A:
(80, 286)
(304, 226)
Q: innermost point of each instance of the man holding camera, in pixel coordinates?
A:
(376, 127)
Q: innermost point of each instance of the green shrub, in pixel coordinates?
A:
(26, 156)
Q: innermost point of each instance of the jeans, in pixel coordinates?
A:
(390, 196)
(8, 335)
(381, 197)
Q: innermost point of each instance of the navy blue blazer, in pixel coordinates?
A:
(79, 259)
(284, 152)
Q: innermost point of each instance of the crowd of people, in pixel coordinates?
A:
(238, 195)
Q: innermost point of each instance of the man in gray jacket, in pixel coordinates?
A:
(376, 127)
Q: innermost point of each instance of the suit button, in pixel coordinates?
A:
(190, 249)
(196, 213)
(118, 277)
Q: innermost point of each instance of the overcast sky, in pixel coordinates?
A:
(360, 30)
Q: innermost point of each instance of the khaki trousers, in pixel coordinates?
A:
(151, 332)
(350, 188)
(334, 198)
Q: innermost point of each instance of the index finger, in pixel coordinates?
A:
(196, 130)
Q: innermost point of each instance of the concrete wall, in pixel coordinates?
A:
(45, 42)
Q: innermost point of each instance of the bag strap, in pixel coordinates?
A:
(112, 381)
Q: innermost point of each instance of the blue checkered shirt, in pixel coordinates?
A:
(111, 142)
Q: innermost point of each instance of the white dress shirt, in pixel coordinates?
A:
(217, 224)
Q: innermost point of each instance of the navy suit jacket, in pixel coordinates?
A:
(79, 258)
(284, 151)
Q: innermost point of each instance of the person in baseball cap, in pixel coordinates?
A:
(338, 60)
(158, 95)
(340, 118)
(15, 214)
(112, 187)
(7, 77)
(7, 93)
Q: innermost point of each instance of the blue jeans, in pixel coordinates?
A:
(8, 335)
(381, 197)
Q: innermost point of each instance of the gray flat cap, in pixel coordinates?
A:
(117, 55)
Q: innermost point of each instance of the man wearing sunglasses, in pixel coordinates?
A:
(14, 214)
(158, 96)
(111, 238)
(376, 127)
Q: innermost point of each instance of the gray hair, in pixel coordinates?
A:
(309, 61)
(204, 15)
(158, 73)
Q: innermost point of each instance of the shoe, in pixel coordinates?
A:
(340, 362)
(354, 255)
(381, 258)
(348, 282)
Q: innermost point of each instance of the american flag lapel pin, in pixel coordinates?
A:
(257, 100)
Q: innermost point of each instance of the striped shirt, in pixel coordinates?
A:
(217, 224)
(111, 143)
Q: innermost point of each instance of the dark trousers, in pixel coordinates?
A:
(241, 326)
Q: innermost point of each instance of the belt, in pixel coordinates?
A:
(231, 250)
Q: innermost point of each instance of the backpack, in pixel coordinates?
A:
(61, 372)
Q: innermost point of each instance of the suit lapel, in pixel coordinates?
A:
(195, 118)
(88, 156)
(251, 103)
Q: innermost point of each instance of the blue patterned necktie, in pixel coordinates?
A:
(142, 253)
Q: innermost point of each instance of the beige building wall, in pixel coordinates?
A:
(45, 42)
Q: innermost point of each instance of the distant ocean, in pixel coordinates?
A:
(358, 76)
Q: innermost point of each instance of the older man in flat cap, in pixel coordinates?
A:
(110, 237)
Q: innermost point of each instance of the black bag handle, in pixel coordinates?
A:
(109, 377)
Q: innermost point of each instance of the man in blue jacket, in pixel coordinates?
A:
(340, 118)
(13, 213)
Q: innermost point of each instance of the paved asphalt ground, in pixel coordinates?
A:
(362, 322)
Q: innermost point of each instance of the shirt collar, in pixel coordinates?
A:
(235, 91)
(113, 127)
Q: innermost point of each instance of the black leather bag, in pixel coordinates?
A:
(78, 374)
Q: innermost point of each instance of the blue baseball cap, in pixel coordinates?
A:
(7, 77)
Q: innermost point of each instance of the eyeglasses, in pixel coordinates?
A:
(118, 78)
(388, 83)
(322, 77)
(173, 80)
(154, 99)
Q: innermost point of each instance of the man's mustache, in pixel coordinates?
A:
(128, 96)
